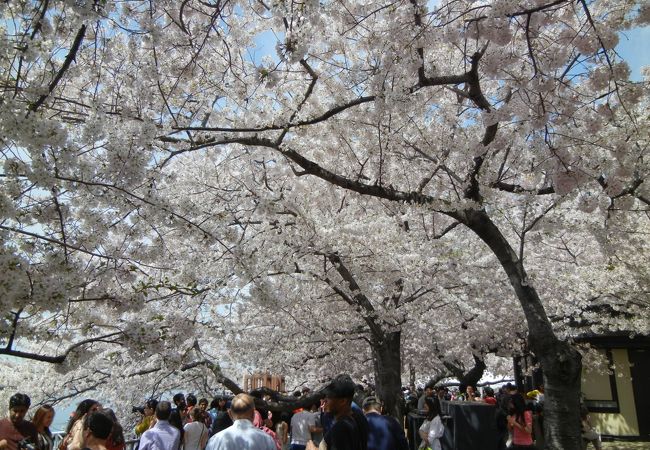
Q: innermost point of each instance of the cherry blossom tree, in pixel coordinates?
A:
(494, 117)
(325, 298)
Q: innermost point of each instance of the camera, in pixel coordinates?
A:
(138, 409)
(25, 445)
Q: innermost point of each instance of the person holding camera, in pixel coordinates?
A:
(16, 433)
(147, 412)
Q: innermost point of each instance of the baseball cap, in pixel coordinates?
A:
(341, 387)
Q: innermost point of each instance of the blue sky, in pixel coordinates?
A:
(634, 47)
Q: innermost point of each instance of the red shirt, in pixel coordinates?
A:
(110, 445)
(14, 434)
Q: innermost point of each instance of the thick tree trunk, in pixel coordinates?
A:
(562, 369)
(473, 375)
(388, 377)
(469, 378)
(561, 363)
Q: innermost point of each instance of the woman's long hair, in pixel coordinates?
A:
(117, 433)
(217, 405)
(40, 414)
(82, 409)
(434, 407)
(519, 406)
(176, 421)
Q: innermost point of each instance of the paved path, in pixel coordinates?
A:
(624, 446)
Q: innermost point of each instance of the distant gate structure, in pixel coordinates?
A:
(263, 379)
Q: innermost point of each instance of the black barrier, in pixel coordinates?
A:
(469, 426)
(413, 423)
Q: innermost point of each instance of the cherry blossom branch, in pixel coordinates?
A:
(418, 294)
(593, 26)
(66, 64)
(537, 219)
(285, 403)
(310, 89)
(39, 21)
(75, 391)
(516, 189)
(7, 350)
(538, 324)
(418, 22)
(600, 310)
(61, 222)
(426, 82)
(37, 27)
(216, 371)
(476, 95)
(254, 140)
(538, 8)
(147, 202)
(279, 403)
(630, 190)
(526, 229)
(446, 230)
(328, 114)
(529, 44)
(14, 328)
(352, 301)
(471, 376)
(397, 295)
(56, 241)
(389, 193)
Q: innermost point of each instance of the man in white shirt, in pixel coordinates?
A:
(303, 424)
(163, 435)
(242, 434)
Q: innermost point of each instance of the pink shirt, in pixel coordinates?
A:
(519, 436)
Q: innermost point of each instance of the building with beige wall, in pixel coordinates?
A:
(618, 401)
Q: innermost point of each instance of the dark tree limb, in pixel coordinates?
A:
(58, 359)
(516, 189)
(66, 64)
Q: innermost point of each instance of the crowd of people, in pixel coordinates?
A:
(335, 422)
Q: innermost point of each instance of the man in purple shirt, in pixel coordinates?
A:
(163, 435)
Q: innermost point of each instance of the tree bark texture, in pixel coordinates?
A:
(388, 375)
(562, 367)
